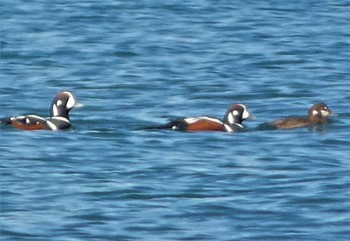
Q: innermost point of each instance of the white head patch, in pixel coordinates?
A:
(314, 112)
(70, 102)
(245, 114)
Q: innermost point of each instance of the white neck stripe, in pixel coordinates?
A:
(51, 125)
(228, 128)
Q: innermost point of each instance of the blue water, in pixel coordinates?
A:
(139, 63)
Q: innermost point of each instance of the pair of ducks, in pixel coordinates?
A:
(232, 121)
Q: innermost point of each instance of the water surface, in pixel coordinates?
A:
(135, 64)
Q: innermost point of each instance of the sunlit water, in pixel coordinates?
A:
(135, 64)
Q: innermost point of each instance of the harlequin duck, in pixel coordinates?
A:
(59, 118)
(317, 114)
(232, 121)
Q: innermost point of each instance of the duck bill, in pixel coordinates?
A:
(251, 117)
(78, 105)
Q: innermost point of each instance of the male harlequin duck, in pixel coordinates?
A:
(317, 114)
(232, 121)
(59, 118)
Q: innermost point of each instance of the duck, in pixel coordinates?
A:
(61, 105)
(317, 114)
(231, 122)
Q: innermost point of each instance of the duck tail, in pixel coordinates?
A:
(168, 125)
(5, 120)
(177, 124)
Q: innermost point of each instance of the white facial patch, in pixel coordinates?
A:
(59, 103)
(70, 102)
(314, 112)
(245, 114)
(324, 112)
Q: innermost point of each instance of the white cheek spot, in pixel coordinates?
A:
(324, 112)
(230, 117)
(314, 112)
(59, 103)
(70, 103)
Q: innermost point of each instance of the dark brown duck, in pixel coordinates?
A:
(317, 114)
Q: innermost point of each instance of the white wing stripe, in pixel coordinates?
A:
(192, 120)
